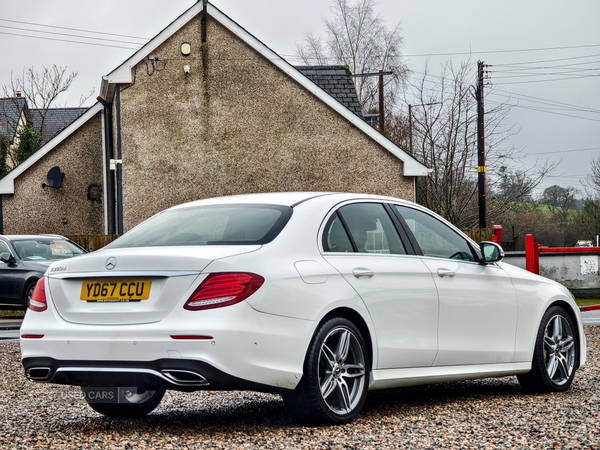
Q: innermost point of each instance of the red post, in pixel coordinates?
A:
(497, 233)
(536, 259)
(529, 253)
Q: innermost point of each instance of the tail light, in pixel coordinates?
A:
(37, 302)
(223, 289)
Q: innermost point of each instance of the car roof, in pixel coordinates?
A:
(286, 198)
(21, 237)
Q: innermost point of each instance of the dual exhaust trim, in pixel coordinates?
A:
(175, 377)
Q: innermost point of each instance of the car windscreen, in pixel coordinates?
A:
(40, 249)
(209, 225)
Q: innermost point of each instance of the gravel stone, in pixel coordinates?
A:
(481, 414)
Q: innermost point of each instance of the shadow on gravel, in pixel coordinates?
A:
(215, 414)
(393, 401)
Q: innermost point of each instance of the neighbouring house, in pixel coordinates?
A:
(204, 109)
(27, 207)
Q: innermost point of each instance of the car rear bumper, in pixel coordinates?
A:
(174, 374)
(227, 348)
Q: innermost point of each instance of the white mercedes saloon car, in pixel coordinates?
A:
(320, 297)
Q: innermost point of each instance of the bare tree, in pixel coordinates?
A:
(41, 89)
(358, 38)
(444, 136)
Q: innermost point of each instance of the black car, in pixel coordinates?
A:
(23, 261)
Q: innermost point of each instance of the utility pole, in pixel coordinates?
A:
(380, 74)
(481, 147)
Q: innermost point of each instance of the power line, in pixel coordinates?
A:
(503, 51)
(68, 35)
(72, 29)
(546, 60)
(546, 101)
(547, 81)
(66, 40)
(565, 151)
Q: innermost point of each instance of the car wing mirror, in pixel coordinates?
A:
(491, 252)
(7, 258)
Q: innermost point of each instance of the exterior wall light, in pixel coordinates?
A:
(186, 49)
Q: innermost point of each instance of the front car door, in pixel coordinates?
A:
(362, 242)
(11, 283)
(478, 305)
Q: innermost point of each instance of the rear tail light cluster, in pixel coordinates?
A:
(38, 301)
(223, 289)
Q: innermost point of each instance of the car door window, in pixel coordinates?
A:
(3, 247)
(434, 237)
(363, 228)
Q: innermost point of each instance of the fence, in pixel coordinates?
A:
(479, 234)
(93, 242)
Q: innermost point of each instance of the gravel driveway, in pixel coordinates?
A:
(491, 413)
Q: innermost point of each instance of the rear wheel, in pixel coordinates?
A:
(123, 402)
(27, 294)
(555, 355)
(334, 386)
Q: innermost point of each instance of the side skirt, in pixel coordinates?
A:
(393, 378)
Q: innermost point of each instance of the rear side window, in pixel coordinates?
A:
(209, 225)
(363, 228)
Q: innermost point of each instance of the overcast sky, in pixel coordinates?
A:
(557, 108)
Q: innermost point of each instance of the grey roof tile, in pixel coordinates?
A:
(56, 120)
(336, 81)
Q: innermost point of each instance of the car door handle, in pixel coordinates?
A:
(446, 273)
(360, 272)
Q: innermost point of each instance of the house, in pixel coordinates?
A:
(205, 109)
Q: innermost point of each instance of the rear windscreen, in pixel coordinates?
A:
(209, 225)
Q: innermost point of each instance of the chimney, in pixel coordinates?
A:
(18, 94)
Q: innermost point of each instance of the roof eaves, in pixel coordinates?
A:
(7, 184)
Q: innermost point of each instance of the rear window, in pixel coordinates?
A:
(209, 225)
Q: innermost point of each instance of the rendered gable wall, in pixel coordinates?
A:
(236, 124)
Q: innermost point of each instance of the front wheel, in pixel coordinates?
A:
(333, 388)
(123, 402)
(555, 354)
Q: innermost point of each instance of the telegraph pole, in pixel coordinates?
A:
(481, 147)
(380, 74)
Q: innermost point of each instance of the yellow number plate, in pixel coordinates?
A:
(115, 291)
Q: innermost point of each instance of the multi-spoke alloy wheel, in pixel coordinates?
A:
(555, 355)
(341, 371)
(334, 386)
(559, 349)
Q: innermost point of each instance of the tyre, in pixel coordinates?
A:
(122, 402)
(27, 293)
(555, 354)
(333, 388)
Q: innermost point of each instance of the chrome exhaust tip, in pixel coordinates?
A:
(38, 373)
(185, 377)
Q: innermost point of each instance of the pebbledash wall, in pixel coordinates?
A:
(33, 209)
(235, 124)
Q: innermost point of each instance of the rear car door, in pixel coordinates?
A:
(361, 241)
(478, 305)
